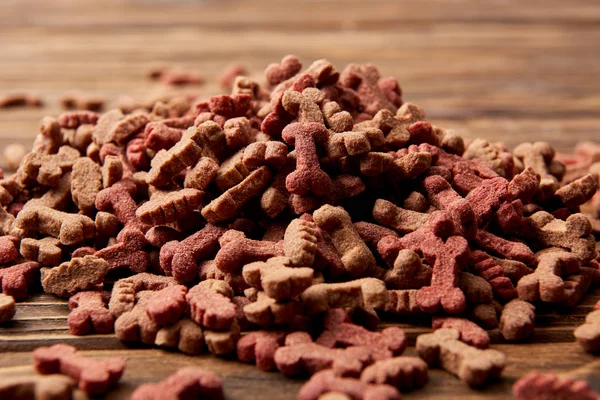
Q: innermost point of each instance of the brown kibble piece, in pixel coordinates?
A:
(472, 365)
(184, 335)
(355, 255)
(89, 313)
(517, 320)
(93, 376)
(265, 311)
(187, 383)
(259, 347)
(50, 137)
(402, 302)
(237, 251)
(124, 290)
(68, 228)
(8, 249)
(202, 174)
(404, 373)
(83, 273)
(47, 169)
(51, 387)
(7, 309)
(588, 334)
(470, 333)
(167, 305)
(221, 343)
(300, 242)
(277, 278)
(537, 386)
(46, 251)
(366, 292)
(327, 385)
(170, 207)
(112, 170)
(210, 304)
(86, 182)
(402, 220)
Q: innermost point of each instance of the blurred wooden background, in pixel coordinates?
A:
(504, 70)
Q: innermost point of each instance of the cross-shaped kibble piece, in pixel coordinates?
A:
(472, 365)
(210, 304)
(327, 385)
(16, 280)
(301, 355)
(70, 277)
(340, 332)
(46, 251)
(237, 251)
(308, 176)
(186, 383)
(89, 313)
(180, 259)
(47, 169)
(92, 376)
(278, 280)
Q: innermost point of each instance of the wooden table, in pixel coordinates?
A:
(503, 70)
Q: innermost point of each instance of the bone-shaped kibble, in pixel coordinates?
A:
(340, 332)
(164, 208)
(237, 251)
(365, 292)
(470, 333)
(188, 382)
(301, 355)
(128, 252)
(52, 387)
(7, 308)
(47, 169)
(577, 192)
(277, 278)
(181, 258)
(487, 268)
(371, 234)
(404, 373)
(195, 143)
(70, 277)
(546, 282)
(259, 347)
(232, 171)
(160, 136)
(308, 176)
(210, 304)
(300, 242)
(511, 250)
(93, 376)
(124, 290)
(68, 228)
(265, 311)
(356, 256)
(493, 156)
(134, 324)
(276, 73)
(517, 320)
(119, 199)
(445, 252)
(15, 280)
(538, 156)
(404, 221)
(184, 335)
(364, 78)
(327, 385)
(89, 313)
(536, 386)
(472, 365)
(86, 182)
(50, 137)
(229, 204)
(395, 129)
(167, 305)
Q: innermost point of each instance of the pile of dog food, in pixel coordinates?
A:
(280, 223)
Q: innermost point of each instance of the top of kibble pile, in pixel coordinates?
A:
(282, 221)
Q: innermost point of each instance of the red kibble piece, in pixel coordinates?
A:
(300, 356)
(181, 258)
(211, 308)
(327, 381)
(93, 376)
(167, 305)
(237, 251)
(128, 252)
(228, 76)
(506, 248)
(89, 313)
(488, 269)
(537, 386)
(186, 383)
(470, 332)
(16, 280)
(308, 176)
(260, 347)
(364, 80)
(73, 119)
(277, 73)
(119, 199)
(230, 106)
(159, 136)
(340, 332)
(8, 250)
(136, 154)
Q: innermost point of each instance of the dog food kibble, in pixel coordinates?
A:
(280, 223)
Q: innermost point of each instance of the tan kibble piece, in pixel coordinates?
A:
(185, 335)
(37, 387)
(122, 130)
(578, 192)
(222, 342)
(265, 311)
(7, 309)
(538, 156)
(517, 320)
(366, 292)
(81, 273)
(408, 272)
(300, 242)
(47, 169)
(68, 228)
(402, 302)
(202, 174)
(112, 171)
(13, 154)
(45, 251)
(472, 365)
(86, 182)
(231, 172)
(124, 290)
(164, 208)
(102, 129)
(278, 280)
(404, 221)
(107, 225)
(405, 373)
(58, 197)
(355, 255)
(50, 137)
(228, 205)
(588, 334)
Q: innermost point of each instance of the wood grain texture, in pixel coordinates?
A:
(504, 70)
